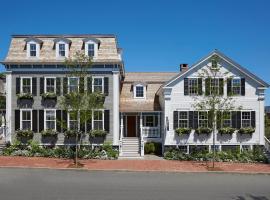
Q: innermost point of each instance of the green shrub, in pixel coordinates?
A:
(97, 133)
(149, 148)
(49, 95)
(71, 133)
(246, 130)
(181, 131)
(203, 130)
(24, 133)
(49, 132)
(25, 96)
(226, 130)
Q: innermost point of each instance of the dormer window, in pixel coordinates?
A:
(91, 47)
(33, 46)
(33, 50)
(62, 50)
(62, 47)
(139, 91)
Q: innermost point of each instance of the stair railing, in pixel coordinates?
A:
(267, 144)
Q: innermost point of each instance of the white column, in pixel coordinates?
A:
(8, 106)
(142, 139)
(116, 97)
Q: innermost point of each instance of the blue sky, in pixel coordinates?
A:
(155, 35)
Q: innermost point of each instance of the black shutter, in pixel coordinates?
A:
(34, 86)
(221, 86)
(175, 120)
(107, 120)
(58, 86)
(64, 120)
(81, 85)
(34, 121)
(58, 121)
(89, 84)
(185, 86)
(207, 86)
(234, 119)
(17, 120)
(210, 116)
(243, 86)
(106, 86)
(219, 119)
(229, 87)
(41, 120)
(18, 85)
(199, 86)
(89, 121)
(239, 124)
(65, 86)
(253, 119)
(41, 88)
(195, 119)
(190, 119)
(82, 121)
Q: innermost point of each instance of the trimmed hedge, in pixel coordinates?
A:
(154, 148)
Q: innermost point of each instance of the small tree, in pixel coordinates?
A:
(79, 102)
(212, 100)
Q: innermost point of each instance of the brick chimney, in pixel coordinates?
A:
(183, 67)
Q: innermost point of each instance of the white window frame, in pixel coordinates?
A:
(21, 85)
(245, 119)
(45, 120)
(97, 120)
(66, 50)
(189, 88)
(93, 86)
(78, 81)
(95, 48)
(45, 85)
(232, 85)
(227, 119)
(37, 49)
(178, 112)
(135, 91)
(154, 120)
(77, 120)
(21, 119)
(216, 86)
(202, 119)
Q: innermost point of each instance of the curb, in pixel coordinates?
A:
(131, 171)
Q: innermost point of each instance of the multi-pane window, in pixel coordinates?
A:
(50, 85)
(73, 120)
(50, 119)
(98, 120)
(62, 49)
(236, 86)
(203, 119)
(183, 119)
(97, 84)
(193, 86)
(227, 119)
(33, 50)
(26, 85)
(73, 84)
(91, 50)
(214, 86)
(246, 119)
(150, 121)
(139, 91)
(26, 119)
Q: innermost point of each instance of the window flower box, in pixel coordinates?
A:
(97, 133)
(49, 95)
(203, 130)
(49, 133)
(72, 133)
(25, 96)
(181, 131)
(246, 130)
(226, 130)
(24, 133)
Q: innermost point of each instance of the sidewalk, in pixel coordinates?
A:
(133, 165)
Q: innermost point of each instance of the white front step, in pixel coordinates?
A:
(130, 147)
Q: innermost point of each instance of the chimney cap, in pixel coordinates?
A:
(183, 67)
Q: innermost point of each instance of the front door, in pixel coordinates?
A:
(131, 126)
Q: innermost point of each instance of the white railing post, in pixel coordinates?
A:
(121, 136)
(267, 144)
(142, 140)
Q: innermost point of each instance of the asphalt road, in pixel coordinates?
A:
(28, 184)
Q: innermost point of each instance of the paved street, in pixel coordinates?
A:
(25, 184)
